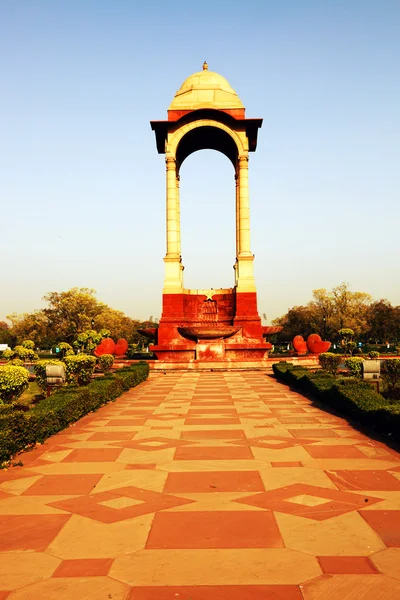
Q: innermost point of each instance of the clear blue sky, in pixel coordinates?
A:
(82, 188)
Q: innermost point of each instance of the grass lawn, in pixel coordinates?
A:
(28, 397)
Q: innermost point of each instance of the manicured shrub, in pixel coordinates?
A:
(80, 368)
(16, 362)
(19, 429)
(390, 373)
(8, 354)
(25, 354)
(65, 349)
(105, 362)
(354, 366)
(373, 354)
(40, 371)
(330, 362)
(13, 381)
(349, 395)
(28, 344)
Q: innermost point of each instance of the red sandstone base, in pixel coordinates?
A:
(219, 327)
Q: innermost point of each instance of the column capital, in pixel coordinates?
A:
(170, 162)
(243, 162)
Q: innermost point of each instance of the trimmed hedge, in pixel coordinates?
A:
(13, 381)
(19, 429)
(350, 396)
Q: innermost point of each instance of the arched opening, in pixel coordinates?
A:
(208, 220)
(206, 137)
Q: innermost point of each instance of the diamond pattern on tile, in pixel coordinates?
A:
(364, 480)
(273, 442)
(338, 502)
(93, 506)
(151, 444)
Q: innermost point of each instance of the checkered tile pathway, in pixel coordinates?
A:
(203, 486)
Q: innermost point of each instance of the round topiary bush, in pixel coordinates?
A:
(105, 362)
(25, 354)
(330, 362)
(80, 368)
(13, 381)
(354, 365)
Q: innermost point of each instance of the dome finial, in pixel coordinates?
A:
(205, 66)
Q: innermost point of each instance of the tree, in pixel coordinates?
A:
(326, 313)
(68, 315)
(72, 312)
(32, 326)
(383, 322)
(6, 335)
(299, 320)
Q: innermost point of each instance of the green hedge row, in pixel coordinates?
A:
(20, 429)
(352, 397)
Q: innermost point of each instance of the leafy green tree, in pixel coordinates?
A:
(383, 322)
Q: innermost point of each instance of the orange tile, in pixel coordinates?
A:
(364, 480)
(29, 532)
(224, 434)
(386, 523)
(119, 504)
(93, 455)
(224, 421)
(151, 444)
(218, 529)
(211, 411)
(334, 452)
(49, 485)
(317, 433)
(112, 436)
(125, 422)
(212, 403)
(133, 467)
(337, 565)
(296, 420)
(293, 463)
(273, 442)
(213, 453)
(214, 481)
(309, 501)
(218, 592)
(83, 567)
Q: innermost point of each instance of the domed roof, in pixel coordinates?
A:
(205, 89)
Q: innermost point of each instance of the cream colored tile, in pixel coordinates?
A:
(346, 535)
(218, 567)
(349, 587)
(19, 569)
(83, 538)
(65, 588)
(388, 562)
(280, 477)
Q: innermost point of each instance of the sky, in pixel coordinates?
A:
(82, 187)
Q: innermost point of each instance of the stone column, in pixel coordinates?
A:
(245, 275)
(178, 211)
(173, 270)
(173, 225)
(237, 212)
(235, 266)
(244, 207)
